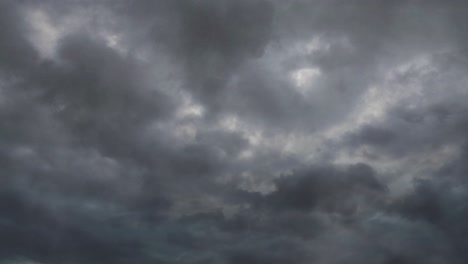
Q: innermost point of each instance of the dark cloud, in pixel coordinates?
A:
(33, 230)
(327, 188)
(208, 131)
(16, 53)
(439, 203)
(211, 39)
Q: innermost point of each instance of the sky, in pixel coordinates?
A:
(233, 131)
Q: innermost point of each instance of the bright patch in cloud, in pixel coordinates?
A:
(304, 78)
(45, 35)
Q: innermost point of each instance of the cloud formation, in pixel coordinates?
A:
(253, 131)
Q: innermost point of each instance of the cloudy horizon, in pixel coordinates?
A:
(233, 131)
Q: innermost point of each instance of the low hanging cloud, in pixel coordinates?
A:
(206, 131)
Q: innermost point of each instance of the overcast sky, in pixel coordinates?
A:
(233, 132)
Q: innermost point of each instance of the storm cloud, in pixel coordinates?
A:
(227, 131)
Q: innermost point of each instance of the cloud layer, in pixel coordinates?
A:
(253, 131)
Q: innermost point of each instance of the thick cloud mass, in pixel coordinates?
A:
(233, 131)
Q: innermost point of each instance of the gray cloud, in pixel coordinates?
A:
(330, 189)
(227, 131)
